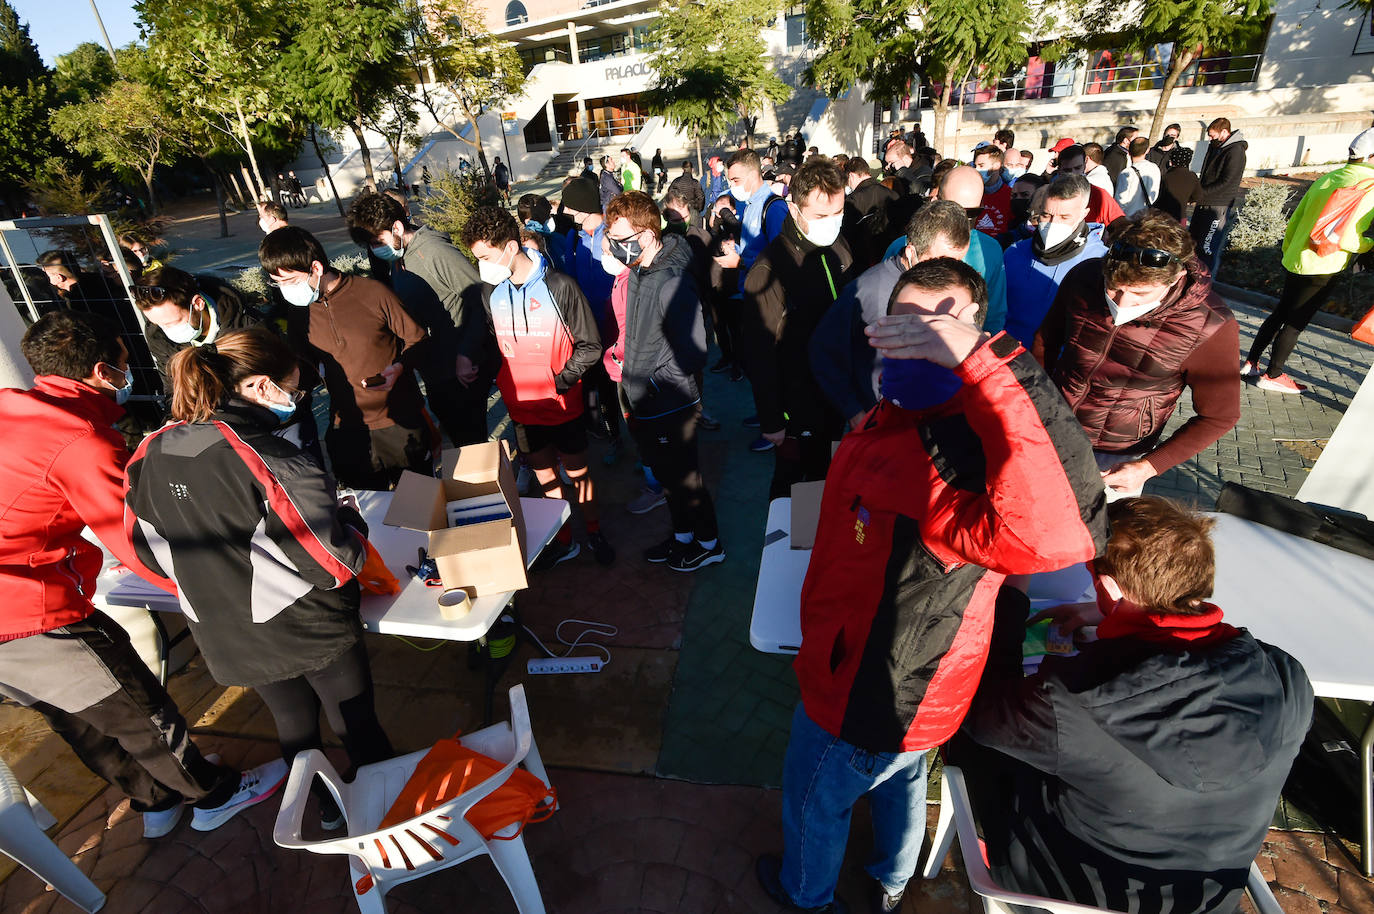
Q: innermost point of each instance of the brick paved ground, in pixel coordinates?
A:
(666, 760)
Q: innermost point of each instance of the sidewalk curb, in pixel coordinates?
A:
(1249, 297)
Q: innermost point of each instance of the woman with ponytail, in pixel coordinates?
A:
(248, 528)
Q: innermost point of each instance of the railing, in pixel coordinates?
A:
(1019, 87)
(616, 126)
(577, 156)
(1205, 71)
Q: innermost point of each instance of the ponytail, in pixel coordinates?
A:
(205, 377)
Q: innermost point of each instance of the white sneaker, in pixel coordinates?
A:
(157, 824)
(255, 785)
(646, 501)
(1248, 370)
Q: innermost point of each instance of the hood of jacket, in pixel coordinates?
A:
(675, 254)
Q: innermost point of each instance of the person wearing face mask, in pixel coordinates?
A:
(1063, 239)
(588, 263)
(1013, 166)
(1145, 768)
(1148, 294)
(1220, 176)
(866, 211)
(1021, 228)
(548, 341)
(664, 352)
(249, 530)
(369, 348)
(1159, 152)
(440, 290)
(63, 470)
(791, 285)
(181, 311)
(631, 175)
(714, 183)
(536, 214)
(928, 506)
(271, 216)
(1178, 186)
(996, 217)
(846, 367)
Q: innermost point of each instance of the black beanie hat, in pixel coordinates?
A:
(583, 195)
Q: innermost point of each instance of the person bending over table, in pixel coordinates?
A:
(970, 468)
(1142, 773)
(248, 528)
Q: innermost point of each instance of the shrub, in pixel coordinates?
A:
(1262, 219)
(453, 197)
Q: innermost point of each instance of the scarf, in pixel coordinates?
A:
(1179, 631)
(1064, 250)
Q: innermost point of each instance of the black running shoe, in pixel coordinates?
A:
(693, 555)
(555, 553)
(602, 550)
(722, 366)
(751, 421)
(664, 551)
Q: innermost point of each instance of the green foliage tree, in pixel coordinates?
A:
(340, 69)
(84, 72)
(397, 121)
(219, 59)
(884, 42)
(129, 128)
(1191, 26)
(710, 66)
(19, 57)
(461, 69)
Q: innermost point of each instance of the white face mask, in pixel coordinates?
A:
(611, 265)
(1134, 312)
(739, 193)
(301, 294)
(823, 232)
(494, 273)
(1053, 234)
(1015, 172)
(183, 332)
(266, 229)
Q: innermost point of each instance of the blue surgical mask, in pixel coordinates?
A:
(387, 252)
(123, 394)
(917, 383)
(991, 177)
(282, 411)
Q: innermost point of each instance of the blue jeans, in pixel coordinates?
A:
(823, 777)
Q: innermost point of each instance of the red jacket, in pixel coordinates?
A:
(62, 469)
(924, 514)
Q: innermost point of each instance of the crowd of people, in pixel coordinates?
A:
(997, 352)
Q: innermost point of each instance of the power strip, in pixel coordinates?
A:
(542, 665)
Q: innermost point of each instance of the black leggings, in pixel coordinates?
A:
(344, 688)
(1302, 297)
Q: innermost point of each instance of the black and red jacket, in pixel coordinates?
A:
(246, 527)
(924, 514)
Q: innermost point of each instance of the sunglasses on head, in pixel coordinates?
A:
(151, 293)
(1146, 257)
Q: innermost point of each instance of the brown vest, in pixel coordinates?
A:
(1123, 382)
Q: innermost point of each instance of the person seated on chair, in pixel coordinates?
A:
(1142, 773)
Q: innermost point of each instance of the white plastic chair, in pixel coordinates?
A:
(440, 838)
(22, 823)
(956, 811)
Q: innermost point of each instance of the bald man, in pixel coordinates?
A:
(964, 186)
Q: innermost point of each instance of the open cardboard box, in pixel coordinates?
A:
(806, 513)
(472, 514)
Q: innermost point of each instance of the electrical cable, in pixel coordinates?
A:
(603, 629)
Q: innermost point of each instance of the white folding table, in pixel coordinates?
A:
(775, 627)
(413, 612)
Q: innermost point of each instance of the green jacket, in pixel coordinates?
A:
(1298, 254)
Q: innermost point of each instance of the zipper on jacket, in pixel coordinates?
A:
(71, 572)
(1087, 386)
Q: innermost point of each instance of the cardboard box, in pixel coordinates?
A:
(472, 514)
(806, 512)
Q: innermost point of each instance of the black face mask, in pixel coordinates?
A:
(627, 251)
(1020, 209)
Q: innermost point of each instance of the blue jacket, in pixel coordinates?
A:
(582, 255)
(845, 366)
(714, 185)
(1032, 283)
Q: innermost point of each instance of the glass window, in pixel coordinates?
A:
(796, 31)
(515, 13)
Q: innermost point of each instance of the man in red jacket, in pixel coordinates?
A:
(64, 470)
(1126, 334)
(969, 469)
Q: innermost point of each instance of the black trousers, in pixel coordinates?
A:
(801, 459)
(668, 445)
(460, 408)
(1302, 297)
(344, 690)
(135, 738)
(364, 458)
(1209, 227)
(726, 315)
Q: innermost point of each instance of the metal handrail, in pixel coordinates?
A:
(1145, 76)
(577, 156)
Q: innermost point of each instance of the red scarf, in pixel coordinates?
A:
(1182, 631)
